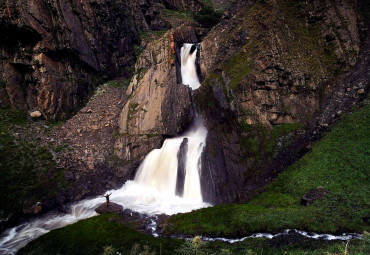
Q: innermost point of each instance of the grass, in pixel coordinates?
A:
(103, 235)
(92, 235)
(28, 173)
(339, 162)
(123, 83)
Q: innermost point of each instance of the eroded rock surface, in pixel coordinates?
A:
(277, 74)
(53, 53)
(158, 105)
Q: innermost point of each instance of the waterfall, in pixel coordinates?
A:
(159, 168)
(153, 191)
(161, 184)
(188, 68)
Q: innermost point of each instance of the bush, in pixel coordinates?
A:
(208, 17)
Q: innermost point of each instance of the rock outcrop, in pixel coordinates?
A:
(313, 195)
(158, 106)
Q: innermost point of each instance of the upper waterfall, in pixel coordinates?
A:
(188, 68)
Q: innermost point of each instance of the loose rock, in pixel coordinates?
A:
(313, 195)
(35, 114)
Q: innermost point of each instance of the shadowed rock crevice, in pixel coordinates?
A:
(181, 167)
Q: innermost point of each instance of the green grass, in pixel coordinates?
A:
(28, 172)
(339, 162)
(102, 233)
(123, 83)
(92, 235)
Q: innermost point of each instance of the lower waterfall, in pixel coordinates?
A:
(159, 168)
(153, 191)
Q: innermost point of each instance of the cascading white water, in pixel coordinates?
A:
(188, 69)
(159, 168)
(154, 189)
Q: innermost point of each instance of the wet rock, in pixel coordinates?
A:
(181, 170)
(313, 195)
(112, 208)
(34, 209)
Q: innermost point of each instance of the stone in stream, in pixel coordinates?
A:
(313, 195)
(112, 208)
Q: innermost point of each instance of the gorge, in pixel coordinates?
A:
(225, 115)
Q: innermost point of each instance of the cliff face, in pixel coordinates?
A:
(158, 106)
(53, 53)
(279, 74)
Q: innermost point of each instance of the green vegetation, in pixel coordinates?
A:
(28, 173)
(208, 17)
(300, 44)
(123, 83)
(339, 162)
(262, 144)
(152, 35)
(92, 235)
(176, 18)
(104, 235)
(237, 68)
(138, 50)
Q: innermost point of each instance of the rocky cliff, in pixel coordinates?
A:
(281, 72)
(54, 53)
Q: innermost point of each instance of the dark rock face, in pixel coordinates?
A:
(55, 52)
(181, 167)
(112, 208)
(313, 195)
(263, 108)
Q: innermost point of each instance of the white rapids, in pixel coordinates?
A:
(188, 68)
(152, 192)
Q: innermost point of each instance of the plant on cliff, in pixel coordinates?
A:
(208, 17)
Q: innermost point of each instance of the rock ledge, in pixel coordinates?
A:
(112, 208)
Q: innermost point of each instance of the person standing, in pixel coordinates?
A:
(107, 198)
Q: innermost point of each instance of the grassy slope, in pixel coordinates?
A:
(339, 162)
(27, 171)
(92, 235)
(95, 235)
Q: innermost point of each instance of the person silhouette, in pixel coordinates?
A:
(107, 198)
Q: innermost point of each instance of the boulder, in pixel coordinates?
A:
(112, 208)
(35, 114)
(313, 195)
(33, 210)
